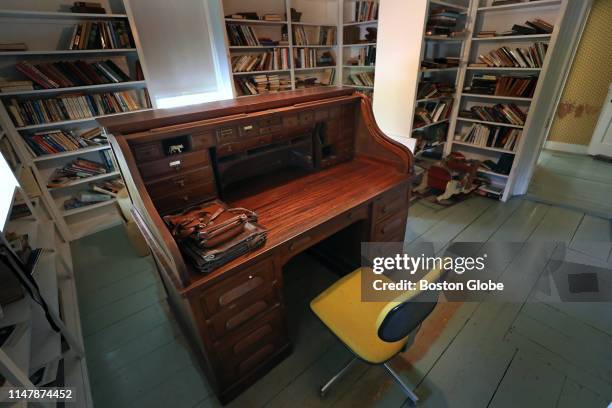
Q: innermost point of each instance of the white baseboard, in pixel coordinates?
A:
(567, 147)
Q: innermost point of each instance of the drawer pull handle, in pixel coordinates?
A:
(176, 165)
(299, 243)
(247, 127)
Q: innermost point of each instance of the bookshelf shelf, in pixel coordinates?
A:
(522, 5)
(492, 149)
(490, 123)
(86, 180)
(359, 44)
(74, 211)
(67, 52)
(58, 15)
(272, 71)
(256, 47)
(94, 222)
(314, 68)
(63, 155)
(444, 39)
(513, 69)
(253, 22)
(530, 37)
(359, 66)
(431, 124)
(506, 98)
(313, 46)
(75, 121)
(358, 86)
(56, 91)
(360, 23)
(308, 24)
(492, 173)
(441, 98)
(425, 70)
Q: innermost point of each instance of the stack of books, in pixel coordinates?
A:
(248, 15)
(325, 78)
(110, 187)
(272, 17)
(365, 57)
(490, 191)
(487, 34)
(64, 74)
(79, 168)
(241, 35)
(491, 136)
(87, 7)
(362, 78)
(537, 26)
(70, 107)
(442, 22)
(500, 113)
(503, 85)
(442, 62)
(93, 35)
(428, 90)
(532, 57)
(258, 84)
(366, 11)
(57, 141)
(8, 47)
(432, 113)
(265, 61)
(15, 86)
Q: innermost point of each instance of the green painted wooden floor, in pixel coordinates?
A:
(530, 354)
(573, 181)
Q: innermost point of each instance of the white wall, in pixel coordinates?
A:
(181, 54)
(398, 52)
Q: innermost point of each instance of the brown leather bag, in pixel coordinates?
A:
(209, 224)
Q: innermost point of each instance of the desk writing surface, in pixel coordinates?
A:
(294, 207)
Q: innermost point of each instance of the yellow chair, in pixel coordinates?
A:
(374, 331)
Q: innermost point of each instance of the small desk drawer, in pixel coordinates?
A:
(148, 152)
(201, 141)
(391, 229)
(246, 284)
(187, 179)
(242, 311)
(251, 346)
(390, 203)
(185, 197)
(173, 165)
(240, 146)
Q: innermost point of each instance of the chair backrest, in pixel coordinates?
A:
(404, 314)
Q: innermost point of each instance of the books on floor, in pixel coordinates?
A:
(75, 106)
(64, 74)
(263, 61)
(93, 35)
(531, 57)
(490, 136)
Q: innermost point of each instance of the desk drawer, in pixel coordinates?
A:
(240, 146)
(252, 346)
(392, 229)
(170, 185)
(185, 197)
(244, 285)
(242, 311)
(173, 165)
(308, 239)
(202, 140)
(390, 203)
(148, 152)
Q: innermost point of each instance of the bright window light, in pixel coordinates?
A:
(193, 99)
(8, 182)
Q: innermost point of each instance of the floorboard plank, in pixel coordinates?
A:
(594, 237)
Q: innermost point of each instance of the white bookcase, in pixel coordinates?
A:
(482, 15)
(46, 29)
(33, 344)
(315, 14)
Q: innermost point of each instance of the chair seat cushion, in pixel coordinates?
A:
(353, 321)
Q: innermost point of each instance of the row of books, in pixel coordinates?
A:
(241, 35)
(362, 78)
(532, 57)
(258, 84)
(79, 168)
(58, 141)
(503, 85)
(93, 35)
(326, 36)
(501, 113)
(491, 136)
(366, 11)
(64, 74)
(441, 62)
(536, 26)
(69, 107)
(366, 56)
(264, 61)
(442, 22)
(428, 89)
(311, 57)
(100, 192)
(432, 112)
(324, 78)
